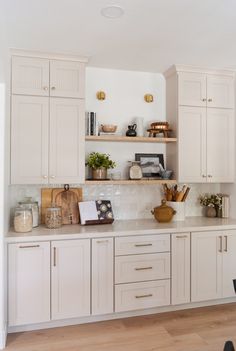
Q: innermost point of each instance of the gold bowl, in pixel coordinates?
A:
(108, 128)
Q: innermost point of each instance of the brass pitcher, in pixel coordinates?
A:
(163, 213)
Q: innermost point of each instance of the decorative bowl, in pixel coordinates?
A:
(160, 125)
(108, 128)
(166, 174)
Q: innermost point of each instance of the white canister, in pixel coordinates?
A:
(139, 122)
(179, 207)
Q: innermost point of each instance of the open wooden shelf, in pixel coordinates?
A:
(120, 138)
(130, 182)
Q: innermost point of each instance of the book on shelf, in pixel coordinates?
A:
(225, 206)
(91, 123)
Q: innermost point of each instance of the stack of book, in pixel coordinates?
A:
(225, 206)
(91, 123)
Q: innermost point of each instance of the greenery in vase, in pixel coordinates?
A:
(211, 200)
(96, 160)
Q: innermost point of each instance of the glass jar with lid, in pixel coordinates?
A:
(23, 220)
(32, 205)
(53, 217)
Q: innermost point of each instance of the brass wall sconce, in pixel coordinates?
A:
(101, 95)
(148, 98)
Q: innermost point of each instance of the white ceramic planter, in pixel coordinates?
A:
(179, 207)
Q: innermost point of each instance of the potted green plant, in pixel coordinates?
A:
(212, 203)
(99, 163)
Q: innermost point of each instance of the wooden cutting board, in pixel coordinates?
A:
(66, 199)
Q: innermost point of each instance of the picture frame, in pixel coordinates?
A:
(149, 164)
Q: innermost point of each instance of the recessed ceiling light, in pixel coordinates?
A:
(112, 11)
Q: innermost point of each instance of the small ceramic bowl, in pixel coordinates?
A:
(108, 128)
(166, 174)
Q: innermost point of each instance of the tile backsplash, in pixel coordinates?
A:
(128, 201)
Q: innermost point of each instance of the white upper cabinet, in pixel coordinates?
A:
(30, 76)
(70, 278)
(220, 145)
(44, 77)
(220, 91)
(192, 144)
(200, 89)
(29, 283)
(67, 79)
(29, 140)
(66, 162)
(192, 89)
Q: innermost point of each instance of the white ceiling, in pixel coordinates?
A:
(151, 36)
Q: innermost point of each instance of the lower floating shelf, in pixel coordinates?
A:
(131, 181)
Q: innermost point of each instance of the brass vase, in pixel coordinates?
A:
(99, 173)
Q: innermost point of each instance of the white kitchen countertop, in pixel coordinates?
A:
(122, 228)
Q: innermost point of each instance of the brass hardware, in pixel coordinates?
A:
(101, 95)
(226, 243)
(54, 256)
(204, 176)
(53, 88)
(45, 177)
(209, 176)
(148, 98)
(209, 100)
(28, 246)
(141, 245)
(102, 241)
(220, 250)
(143, 268)
(204, 100)
(45, 88)
(142, 296)
(181, 236)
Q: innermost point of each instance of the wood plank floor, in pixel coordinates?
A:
(202, 329)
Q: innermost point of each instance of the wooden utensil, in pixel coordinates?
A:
(186, 194)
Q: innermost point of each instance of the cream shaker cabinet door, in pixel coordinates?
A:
(180, 268)
(29, 140)
(67, 164)
(229, 262)
(30, 76)
(192, 89)
(220, 145)
(220, 91)
(70, 278)
(67, 79)
(102, 276)
(29, 283)
(206, 266)
(192, 144)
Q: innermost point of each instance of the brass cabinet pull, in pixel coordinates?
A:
(204, 100)
(28, 246)
(181, 236)
(143, 296)
(226, 243)
(102, 241)
(141, 245)
(54, 256)
(209, 100)
(143, 268)
(220, 250)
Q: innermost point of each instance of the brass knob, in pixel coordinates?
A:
(209, 176)
(204, 100)
(53, 88)
(203, 176)
(209, 100)
(45, 176)
(45, 88)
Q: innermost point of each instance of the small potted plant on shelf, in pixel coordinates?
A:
(99, 164)
(213, 204)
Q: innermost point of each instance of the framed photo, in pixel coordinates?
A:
(150, 164)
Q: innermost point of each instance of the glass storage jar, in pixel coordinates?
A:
(53, 217)
(32, 205)
(23, 220)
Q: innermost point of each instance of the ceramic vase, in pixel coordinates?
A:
(210, 211)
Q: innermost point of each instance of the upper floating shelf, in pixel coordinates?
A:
(130, 139)
(130, 182)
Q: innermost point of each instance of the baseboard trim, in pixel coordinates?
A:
(92, 319)
(3, 338)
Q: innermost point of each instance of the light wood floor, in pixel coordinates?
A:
(203, 329)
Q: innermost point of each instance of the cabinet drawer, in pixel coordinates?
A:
(139, 268)
(136, 296)
(131, 245)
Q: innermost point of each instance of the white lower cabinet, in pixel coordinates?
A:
(29, 283)
(102, 276)
(180, 264)
(70, 294)
(213, 265)
(142, 295)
